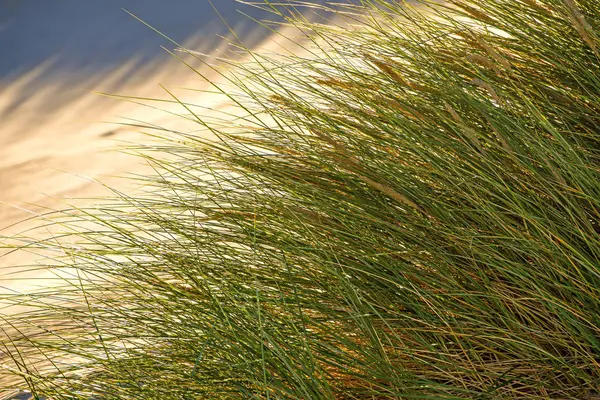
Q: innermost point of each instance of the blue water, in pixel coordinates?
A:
(94, 34)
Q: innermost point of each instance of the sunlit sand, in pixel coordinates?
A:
(59, 139)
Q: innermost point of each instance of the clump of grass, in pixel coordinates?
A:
(408, 209)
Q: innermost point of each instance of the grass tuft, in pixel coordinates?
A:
(405, 206)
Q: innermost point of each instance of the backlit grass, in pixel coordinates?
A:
(406, 206)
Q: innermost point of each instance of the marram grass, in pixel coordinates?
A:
(411, 210)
